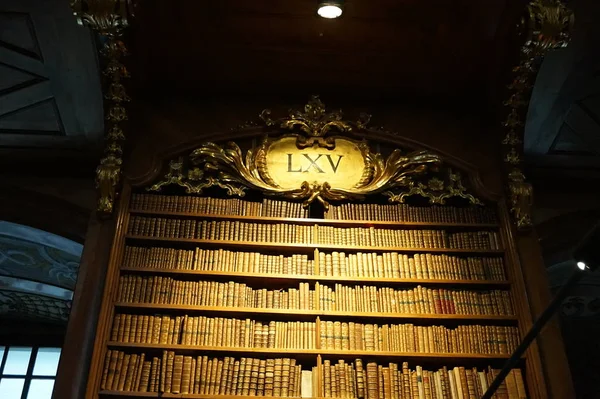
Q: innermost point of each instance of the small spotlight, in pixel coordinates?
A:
(329, 9)
(587, 252)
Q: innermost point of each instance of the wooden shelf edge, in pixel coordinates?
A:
(309, 248)
(315, 277)
(128, 394)
(314, 313)
(311, 221)
(313, 352)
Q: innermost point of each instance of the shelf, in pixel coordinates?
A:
(118, 394)
(297, 278)
(307, 353)
(309, 315)
(304, 248)
(324, 222)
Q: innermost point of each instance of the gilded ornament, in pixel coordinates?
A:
(312, 165)
(516, 100)
(233, 168)
(108, 174)
(512, 157)
(116, 93)
(547, 26)
(511, 138)
(435, 184)
(109, 18)
(117, 113)
(315, 122)
(115, 133)
(513, 120)
(194, 182)
(436, 190)
(114, 148)
(550, 24)
(521, 198)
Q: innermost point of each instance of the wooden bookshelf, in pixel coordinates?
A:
(315, 360)
(117, 394)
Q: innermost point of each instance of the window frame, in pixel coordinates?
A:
(28, 376)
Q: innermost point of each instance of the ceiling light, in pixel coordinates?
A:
(329, 9)
(581, 265)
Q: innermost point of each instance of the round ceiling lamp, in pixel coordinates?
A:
(329, 9)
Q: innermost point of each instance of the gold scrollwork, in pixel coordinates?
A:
(227, 167)
(109, 18)
(194, 181)
(397, 176)
(436, 190)
(547, 26)
(314, 121)
(521, 198)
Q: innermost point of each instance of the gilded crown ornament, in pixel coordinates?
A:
(546, 26)
(311, 156)
(315, 122)
(109, 18)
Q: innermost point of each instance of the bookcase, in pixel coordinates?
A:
(223, 297)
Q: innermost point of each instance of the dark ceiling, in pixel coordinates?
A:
(450, 49)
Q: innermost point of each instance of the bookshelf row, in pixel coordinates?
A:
(391, 265)
(298, 248)
(310, 234)
(274, 208)
(307, 315)
(233, 298)
(220, 206)
(308, 355)
(290, 279)
(322, 222)
(420, 300)
(175, 373)
(405, 212)
(320, 334)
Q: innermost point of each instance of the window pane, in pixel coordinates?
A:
(17, 360)
(11, 388)
(40, 389)
(46, 361)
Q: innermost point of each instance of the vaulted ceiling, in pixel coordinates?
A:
(562, 134)
(50, 96)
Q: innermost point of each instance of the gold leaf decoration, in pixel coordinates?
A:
(398, 175)
(546, 26)
(109, 18)
(395, 176)
(436, 190)
(314, 121)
